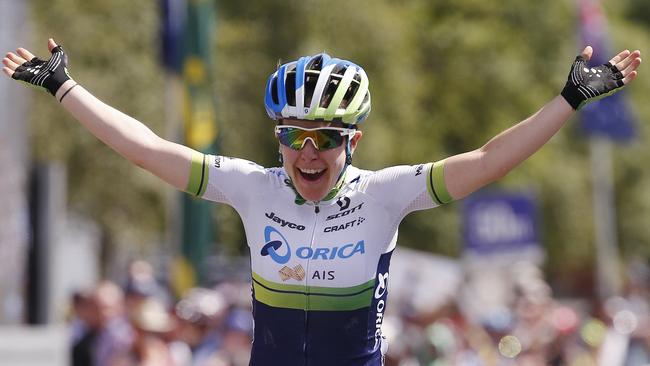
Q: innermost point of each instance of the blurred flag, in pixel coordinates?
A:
(609, 117)
(187, 34)
(172, 27)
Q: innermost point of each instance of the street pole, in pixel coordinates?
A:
(14, 151)
(607, 258)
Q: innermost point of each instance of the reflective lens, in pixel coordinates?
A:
(323, 138)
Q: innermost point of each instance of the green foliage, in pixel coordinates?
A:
(446, 76)
(113, 49)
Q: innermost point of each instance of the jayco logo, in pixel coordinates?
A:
(284, 223)
(275, 241)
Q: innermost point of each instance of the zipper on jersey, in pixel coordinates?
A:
(311, 245)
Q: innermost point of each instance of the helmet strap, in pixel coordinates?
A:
(348, 159)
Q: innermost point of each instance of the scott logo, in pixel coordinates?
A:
(283, 223)
(344, 213)
(343, 202)
(275, 240)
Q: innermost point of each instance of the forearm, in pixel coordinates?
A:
(127, 136)
(465, 173)
(511, 147)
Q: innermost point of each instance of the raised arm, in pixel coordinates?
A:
(467, 172)
(126, 135)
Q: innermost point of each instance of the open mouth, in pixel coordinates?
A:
(311, 175)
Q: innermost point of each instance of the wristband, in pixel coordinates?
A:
(66, 92)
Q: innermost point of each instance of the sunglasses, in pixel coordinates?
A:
(323, 138)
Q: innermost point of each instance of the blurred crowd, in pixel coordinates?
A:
(531, 328)
(138, 323)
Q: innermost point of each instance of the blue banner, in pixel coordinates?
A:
(499, 223)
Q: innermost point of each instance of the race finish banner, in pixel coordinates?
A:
(500, 225)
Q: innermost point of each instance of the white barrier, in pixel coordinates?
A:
(34, 346)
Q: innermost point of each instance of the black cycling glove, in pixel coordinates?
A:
(587, 84)
(49, 74)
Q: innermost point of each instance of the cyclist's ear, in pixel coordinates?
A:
(355, 140)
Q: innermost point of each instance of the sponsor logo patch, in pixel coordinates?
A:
(297, 273)
(277, 247)
(283, 223)
(345, 213)
(347, 225)
(380, 291)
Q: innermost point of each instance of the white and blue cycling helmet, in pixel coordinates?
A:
(318, 88)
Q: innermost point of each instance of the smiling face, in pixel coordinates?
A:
(314, 173)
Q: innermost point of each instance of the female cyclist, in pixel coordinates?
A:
(320, 231)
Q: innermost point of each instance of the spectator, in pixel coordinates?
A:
(200, 314)
(115, 337)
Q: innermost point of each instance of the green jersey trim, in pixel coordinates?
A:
(198, 180)
(312, 297)
(436, 184)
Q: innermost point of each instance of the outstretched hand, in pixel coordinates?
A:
(13, 60)
(626, 62)
(49, 74)
(586, 84)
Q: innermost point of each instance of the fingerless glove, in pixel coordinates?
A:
(586, 84)
(49, 74)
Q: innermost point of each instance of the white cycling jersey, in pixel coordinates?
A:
(319, 269)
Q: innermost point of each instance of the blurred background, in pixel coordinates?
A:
(102, 264)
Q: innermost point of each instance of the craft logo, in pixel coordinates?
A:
(347, 225)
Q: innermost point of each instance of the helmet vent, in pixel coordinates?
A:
(349, 94)
(290, 87)
(332, 84)
(316, 63)
(274, 91)
(310, 85)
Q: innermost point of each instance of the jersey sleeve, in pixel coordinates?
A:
(226, 180)
(408, 188)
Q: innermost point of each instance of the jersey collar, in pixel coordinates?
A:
(299, 200)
